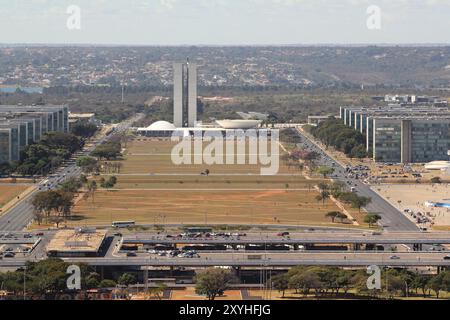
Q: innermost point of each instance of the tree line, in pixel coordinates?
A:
(333, 132)
(41, 157)
(327, 282)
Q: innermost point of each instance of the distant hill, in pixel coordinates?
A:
(315, 66)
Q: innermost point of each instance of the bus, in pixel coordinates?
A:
(123, 224)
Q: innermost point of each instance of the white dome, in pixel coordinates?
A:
(238, 124)
(161, 126)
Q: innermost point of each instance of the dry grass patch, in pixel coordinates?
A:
(9, 192)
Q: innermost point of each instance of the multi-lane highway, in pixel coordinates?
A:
(18, 217)
(269, 259)
(392, 219)
(299, 238)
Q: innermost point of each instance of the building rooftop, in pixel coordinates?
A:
(76, 241)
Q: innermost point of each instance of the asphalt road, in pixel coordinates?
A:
(412, 259)
(18, 217)
(300, 238)
(392, 219)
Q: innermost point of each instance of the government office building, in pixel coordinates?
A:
(399, 134)
(23, 125)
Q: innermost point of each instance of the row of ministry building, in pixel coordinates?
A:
(24, 125)
(402, 134)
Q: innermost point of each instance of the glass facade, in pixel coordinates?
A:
(430, 141)
(387, 140)
(4, 145)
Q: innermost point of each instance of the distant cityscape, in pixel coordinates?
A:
(34, 68)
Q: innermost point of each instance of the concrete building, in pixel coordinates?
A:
(185, 95)
(402, 134)
(22, 125)
(315, 120)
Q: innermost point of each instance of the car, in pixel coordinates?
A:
(131, 254)
(283, 234)
(9, 255)
(447, 258)
(394, 257)
(39, 234)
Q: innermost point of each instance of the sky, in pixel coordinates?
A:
(225, 22)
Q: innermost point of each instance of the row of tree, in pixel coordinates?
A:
(330, 281)
(110, 150)
(49, 277)
(333, 132)
(40, 158)
(56, 205)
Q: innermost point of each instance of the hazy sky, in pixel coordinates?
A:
(221, 22)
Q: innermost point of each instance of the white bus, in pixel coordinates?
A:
(123, 224)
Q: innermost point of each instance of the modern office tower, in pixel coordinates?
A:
(9, 143)
(411, 139)
(178, 102)
(402, 134)
(192, 94)
(185, 94)
(22, 125)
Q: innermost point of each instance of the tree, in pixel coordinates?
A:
(325, 171)
(84, 130)
(92, 281)
(359, 202)
(88, 164)
(38, 216)
(83, 179)
(71, 185)
(107, 283)
(323, 196)
(336, 215)
(281, 283)
(127, 279)
(92, 187)
(304, 282)
(109, 150)
(333, 215)
(358, 152)
(372, 219)
(436, 180)
(158, 291)
(6, 169)
(213, 282)
(111, 182)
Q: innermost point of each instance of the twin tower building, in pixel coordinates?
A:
(185, 95)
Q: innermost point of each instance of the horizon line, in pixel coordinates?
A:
(324, 44)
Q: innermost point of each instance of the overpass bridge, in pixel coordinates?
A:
(266, 260)
(391, 238)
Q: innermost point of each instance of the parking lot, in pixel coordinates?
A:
(14, 245)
